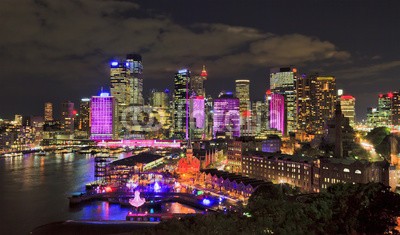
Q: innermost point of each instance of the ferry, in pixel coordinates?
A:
(13, 155)
(41, 153)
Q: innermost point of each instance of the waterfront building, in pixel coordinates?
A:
(181, 103)
(48, 112)
(277, 113)
(347, 103)
(229, 183)
(121, 88)
(84, 117)
(243, 94)
(102, 109)
(67, 117)
(226, 115)
(283, 82)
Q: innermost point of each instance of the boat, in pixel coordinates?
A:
(41, 153)
(13, 155)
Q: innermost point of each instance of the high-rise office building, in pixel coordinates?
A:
(277, 113)
(316, 99)
(226, 115)
(396, 108)
(347, 104)
(181, 103)
(102, 109)
(67, 117)
(305, 98)
(135, 67)
(48, 112)
(324, 91)
(283, 81)
(159, 99)
(126, 86)
(197, 117)
(260, 120)
(197, 83)
(84, 115)
(243, 94)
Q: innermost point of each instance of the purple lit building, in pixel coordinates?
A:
(277, 113)
(197, 117)
(102, 110)
(226, 115)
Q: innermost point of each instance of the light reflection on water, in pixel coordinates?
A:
(34, 191)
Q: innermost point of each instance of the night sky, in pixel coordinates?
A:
(59, 50)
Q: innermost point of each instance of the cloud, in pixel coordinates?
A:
(368, 70)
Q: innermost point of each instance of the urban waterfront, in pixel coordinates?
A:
(35, 190)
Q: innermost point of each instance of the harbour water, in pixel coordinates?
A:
(34, 191)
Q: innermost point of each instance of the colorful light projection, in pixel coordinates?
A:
(137, 201)
(102, 114)
(227, 116)
(277, 112)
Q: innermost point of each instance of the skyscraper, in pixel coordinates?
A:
(48, 112)
(347, 104)
(84, 115)
(305, 98)
(283, 81)
(324, 92)
(277, 113)
(197, 83)
(67, 117)
(243, 94)
(126, 86)
(135, 67)
(181, 103)
(198, 116)
(227, 115)
(102, 110)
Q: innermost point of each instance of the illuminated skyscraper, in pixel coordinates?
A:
(102, 110)
(84, 115)
(277, 113)
(243, 94)
(347, 104)
(197, 117)
(181, 103)
(396, 108)
(197, 83)
(283, 81)
(305, 108)
(126, 86)
(324, 90)
(227, 115)
(67, 117)
(48, 112)
(135, 67)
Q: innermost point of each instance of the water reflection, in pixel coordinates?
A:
(35, 190)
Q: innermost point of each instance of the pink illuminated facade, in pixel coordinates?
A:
(102, 117)
(226, 115)
(141, 143)
(277, 113)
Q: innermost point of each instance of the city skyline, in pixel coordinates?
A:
(65, 56)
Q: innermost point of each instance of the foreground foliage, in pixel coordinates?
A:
(275, 209)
